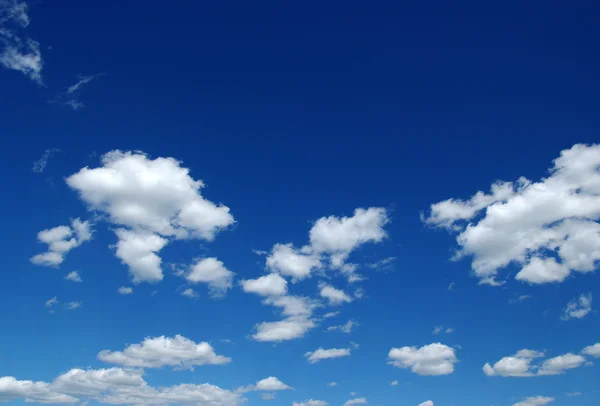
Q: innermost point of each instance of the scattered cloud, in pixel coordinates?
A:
(212, 272)
(523, 364)
(73, 277)
(334, 296)
(153, 201)
(332, 384)
(291, 262)
(432, 359)
(60, 241)
(535, 401)
(440, 329)
(357, 401)
(71, 95)
(178, 352)
(520, 299)
(39, 392)
(427, 403)
(260, 252)
(189, 292)
(73, 305)
(573, 394)
(451, 286)
(521, 222)
(592, 350)
(384, 265)
(344, 328)
(394, 383)
(268, 285)
(270, 384)
(578, 308)
(311, 402)
(125, 290)
(40, 164)
(330, 314)
(51, 302)
(320, 354)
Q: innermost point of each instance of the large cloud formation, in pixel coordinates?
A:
(548, 228)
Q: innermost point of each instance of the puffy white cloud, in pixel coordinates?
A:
(320, 354)
(535, 401)
(270, 384)
(289, 261)
(578, 308)
(334, 296)
(61, 240)
(154, 200)
(394, 383)
(521, 222)
(12, 389)
(311, 402)
(91, 382)
(212, 272)
(522, 364)
(592, 350)
(558, 365)
(189, 292)
(73, 277)
(125, 290)
(357, 401)
(283, 330)
(427, 403)
(179, 352)
(268, 285)
(344, 328)
(432, 359)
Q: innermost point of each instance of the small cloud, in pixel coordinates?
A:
(354, 345)
(385, 265)
(125, 290)
(189, 292)
(40, 164)
(451, 286)
(260, 252)
(573, 393)
(344, 328)
(70, 96)
(73, 305)
(330, 314)
(579, 307)
(394, 383)
(73, 277)
(51, 302)
(449, 330)
(520, 299)
(440, 329)
(267, 396)
(332, 384)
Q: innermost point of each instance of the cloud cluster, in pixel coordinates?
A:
(153, 201)
(178, 352)
(61, 240)
(432, 359)
(17, 52)
(525, 363)
(548, 228)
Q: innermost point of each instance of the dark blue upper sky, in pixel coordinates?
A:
(289, 112)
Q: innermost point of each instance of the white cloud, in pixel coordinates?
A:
(357, 401)
(320, 354)
(592, 350)
(51, 302)
(578, 308)
(270, 384)
(385, 264)
(311, 402)
(330, 314)
(283, 330)
(267, 396)
(344, 328)
(32, 392)
(60, 241)
(427, 403)
(288, 261)
(522, 364)
(73, 277)
(189, 292)
(394, 383)
(71, 95)
(522, 222)
(332, 384)
(178, 352)
(333, 295)
(268, 285)
(573, 394)
(451, 286)
(40, 164)
(535, 401)
(125, 290)
(156, 200)
(212, 272)
(432, 359)
(73, 305)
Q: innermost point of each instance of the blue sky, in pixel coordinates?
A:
(313, 204)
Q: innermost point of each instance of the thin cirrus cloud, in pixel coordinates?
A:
(519, 222)
(152, 202)
(71, 96)
(178, 352)
(433, 359)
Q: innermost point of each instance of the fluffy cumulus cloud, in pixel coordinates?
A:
(212, 272)
(73, 277)
(527, 363)
(178, 352)
(60, 241)
(17, 52)
(578, 308)
(125, 290)
(268, 285)
(334, 296)
(548, 228)
(12, 389)
(357, 401)
(291, 262)
(432, 359)
(153, 201)
(320, 354)
(535, 401)
(270, 384)
(311, 402)
(592, 350)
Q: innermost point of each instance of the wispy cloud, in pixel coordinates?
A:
(71, 95)
(40, 164)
